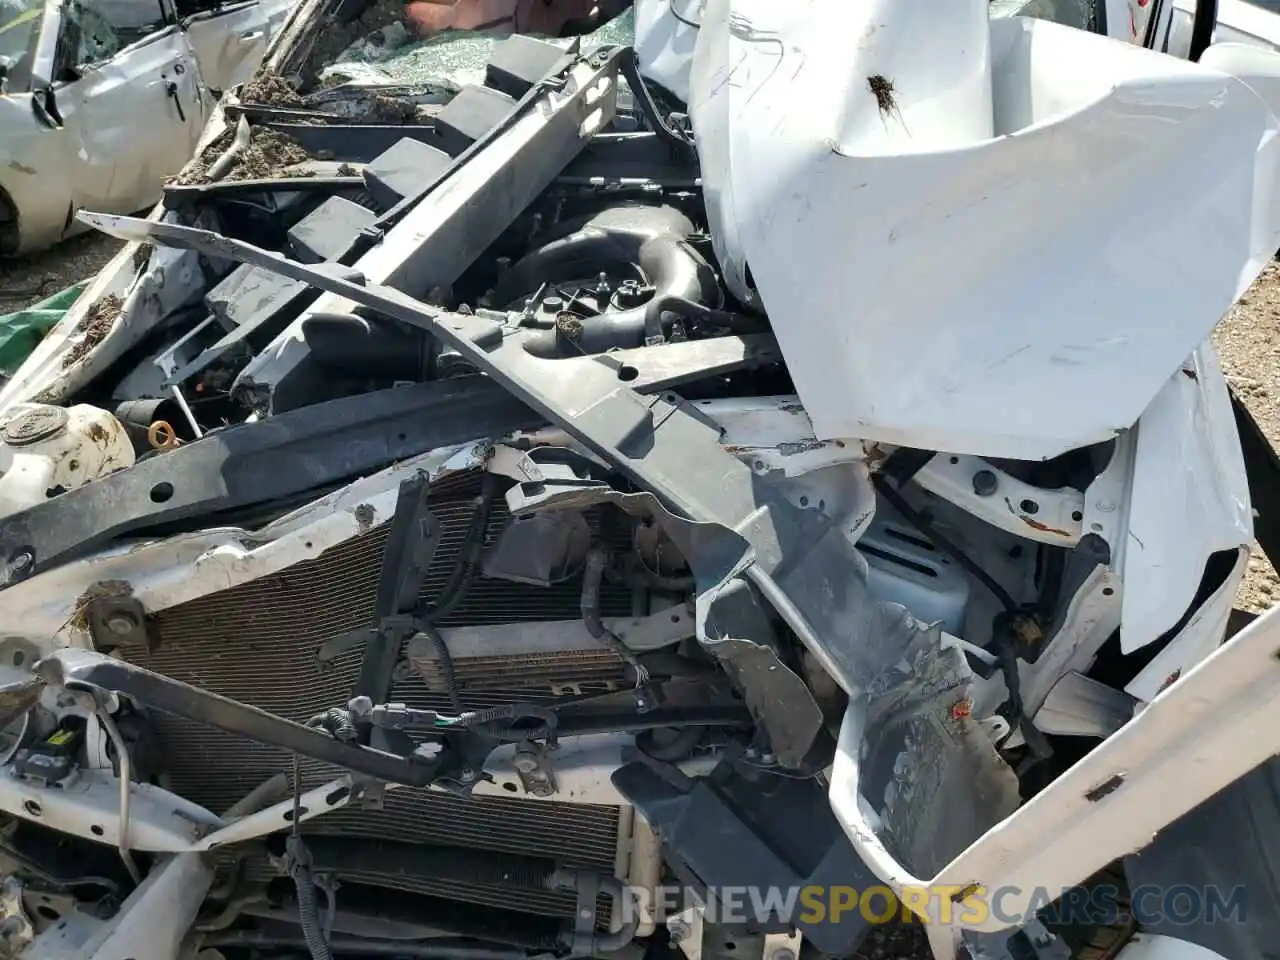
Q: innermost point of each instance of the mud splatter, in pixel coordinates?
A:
(97, 323)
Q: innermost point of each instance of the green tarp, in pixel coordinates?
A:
(21, 331)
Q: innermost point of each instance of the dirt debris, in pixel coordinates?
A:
(269, 154)
(28, 279)
(1248, 342)
(393, 110)
(269, 89)
(97, 323)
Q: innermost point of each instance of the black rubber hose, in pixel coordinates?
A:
(385, 913)
(500, 722)
(465, 570)
(734, 322)
(337, 723)
(448, 670)
(592, 578)
(308, 910)
(609, 942)
(678, 749)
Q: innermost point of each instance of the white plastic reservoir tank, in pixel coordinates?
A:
(45, 450)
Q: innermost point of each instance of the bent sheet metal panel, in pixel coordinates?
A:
(1215, 724)
(973, 296)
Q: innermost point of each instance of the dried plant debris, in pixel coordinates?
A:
(108, 589)
(97, 323)
(269, 89)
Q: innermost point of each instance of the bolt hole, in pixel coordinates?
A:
(1077, 516)
(96, 830)
(48, 913)
(627, 373)
(510, 787)
(307, 544)
(19, 658)
(1030, 506)
(161, 492)
(337, 796)
(1095, 527)
(804, 501)
(288, 814)
(32, 807)
(675, 618)
(1108, 591)
(730, 945)
(401, 437)
(955, 460)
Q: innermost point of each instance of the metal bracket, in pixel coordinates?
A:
(782, 946)
(685, 929)
(411, 544)
(1004, 501)
(291, 454)
(533, 765)
(584, 917)
(16, 929)
(117, 620)
(88, 669)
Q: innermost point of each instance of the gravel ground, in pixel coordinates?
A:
(1248, 341)
(28, 280)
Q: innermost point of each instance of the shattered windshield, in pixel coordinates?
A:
(19, 27)
(454, 58)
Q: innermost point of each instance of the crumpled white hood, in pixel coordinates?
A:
(993, 238)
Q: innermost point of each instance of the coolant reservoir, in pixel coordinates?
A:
(45, 450)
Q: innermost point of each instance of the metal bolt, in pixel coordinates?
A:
(679, 930)
(121, 623)
(984, 483)
(467, 775)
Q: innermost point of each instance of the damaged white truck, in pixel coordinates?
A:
(472, 511)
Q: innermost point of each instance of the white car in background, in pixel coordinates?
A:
(101, 100)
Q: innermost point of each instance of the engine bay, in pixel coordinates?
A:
(419, 550)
